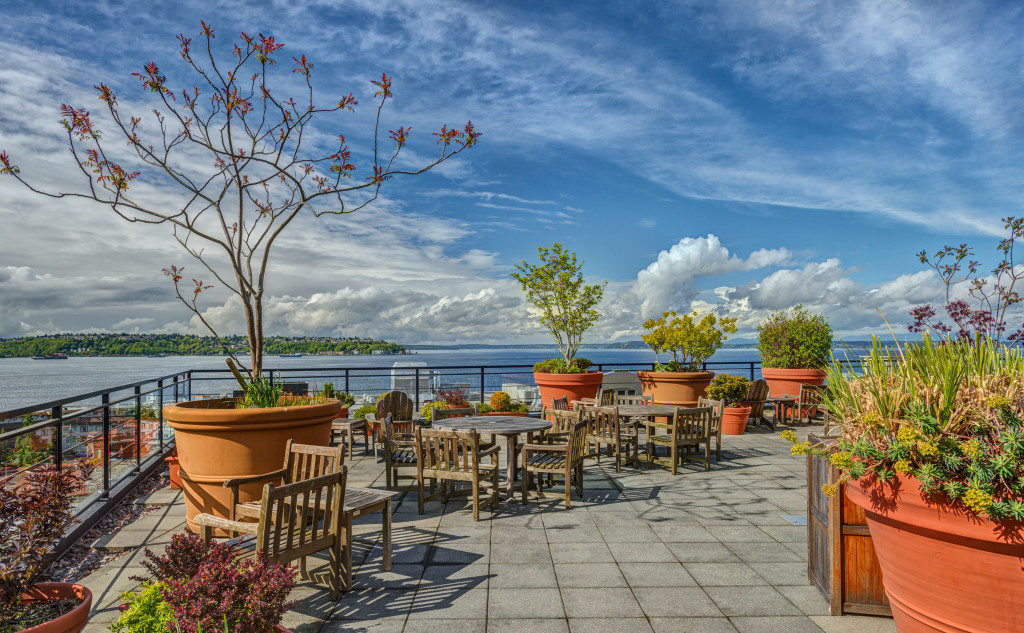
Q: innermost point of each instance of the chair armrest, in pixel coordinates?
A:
(249, 479)
(409, 443)
(545, 448)
(492, 449)
(225, 524)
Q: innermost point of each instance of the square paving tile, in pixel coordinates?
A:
(589, 575)
(674, 602)
(600, 603)
(723, 574)
(692, 625)
(610, 625)
(581, 553)
(702, 553)
(752, 601)
(449, 603)
(522, 576)
(520, 553)
(773, 552)
(524, 603)
(550, 625)
(641, 553)
(656, 575)
(777, 624)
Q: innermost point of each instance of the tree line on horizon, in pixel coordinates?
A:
(183, 345)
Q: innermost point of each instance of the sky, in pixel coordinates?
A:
(736, 157)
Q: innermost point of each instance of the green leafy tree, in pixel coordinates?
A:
(567, 304)
(691, 342)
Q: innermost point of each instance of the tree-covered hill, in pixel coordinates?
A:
(182, 345)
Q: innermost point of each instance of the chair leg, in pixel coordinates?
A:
(495, 493)
(419, 490)
(476, 500)
(207, 534)
(387, 474)
(568, 487)
(334, 574)
(525, 487)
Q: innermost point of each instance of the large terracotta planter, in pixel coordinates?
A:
(787, 381)
(571, 386)
(71, 622)
(217, 443)
(675, 388)
(734, 420)
(943, 569)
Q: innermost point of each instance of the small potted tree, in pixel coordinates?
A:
(34, 515)
(731, 390)
(567, 307)
(795, 347)
(681, 381)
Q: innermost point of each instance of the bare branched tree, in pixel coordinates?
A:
(241, 154)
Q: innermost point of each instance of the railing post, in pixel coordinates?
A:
(346, 381)
(751, 371)
(160, 414)
(106, 444)
(417, 388)
(58, 437)
(189, 385)
(138, 428)
(481, 384)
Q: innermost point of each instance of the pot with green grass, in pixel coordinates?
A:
(931, 446)
(223, 439)
(795, 347)
(680, 382)
(732, 391)
(567, 307)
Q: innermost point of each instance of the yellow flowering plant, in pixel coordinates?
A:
(948, 415)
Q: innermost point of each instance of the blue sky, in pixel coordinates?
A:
(667, 142)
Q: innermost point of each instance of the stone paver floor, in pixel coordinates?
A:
(642, 552)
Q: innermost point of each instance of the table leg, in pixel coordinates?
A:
(386, 537)
(349, 437)
(346, 553)
(511, 442)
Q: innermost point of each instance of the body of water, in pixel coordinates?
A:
(25, 381)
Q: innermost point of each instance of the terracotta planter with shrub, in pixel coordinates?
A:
(943, 569)
(216, 443)
(734, 420)
(788, 381)
(173, 468)
(73, 621)
(675, 388)
(571, 386)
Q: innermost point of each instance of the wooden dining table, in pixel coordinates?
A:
(511, 427)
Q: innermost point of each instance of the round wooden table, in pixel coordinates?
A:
(509, 426)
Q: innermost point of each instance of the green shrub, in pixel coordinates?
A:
(794, 339)
(501, 401)
(360, 413)
(147, 611)
(484, 408)
(427, 410)
(728, 389)
(559, 366)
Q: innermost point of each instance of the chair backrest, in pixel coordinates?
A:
(560, 404)
(632, 400)
(561, 421)
(306, 461)
(302, 517)
(396, 404)
(692, 424)
(602, 423)
(758, 391)
(389, 428)
(576, 450)
(441, 414)
(811, 394)
(607, 398)
(448, 454)
(718, 410)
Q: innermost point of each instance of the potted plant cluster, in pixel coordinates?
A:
(502, 404)
(568, 308)
(35, 513)
(235, 205)
(342, 397)
(451, 399)
(795, 347)
(197, 587)
(931, 446)
(681, 381)
(731, 390)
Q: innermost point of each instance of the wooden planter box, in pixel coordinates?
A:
(841, 560)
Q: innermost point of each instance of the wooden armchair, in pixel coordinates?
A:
(687, 427)
(560, 404)
(604, 430)
(718, 408)
(301, 461)
(443, 414)
(399, 452)
(456, 456)
(556, 459)
(295, 520)
(401, 409)
(757, 397)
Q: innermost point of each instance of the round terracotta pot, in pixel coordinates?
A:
(787, 381)
(734, 420)
(343, 412)
(943, 569)
(174, 467)
(571, 386)
(71, 622)
(675, 388)
(217, 443)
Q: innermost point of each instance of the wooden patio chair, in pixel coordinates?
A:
(301, 461)
(604, 430)
(556, 459)
(456, 456)
(756, 399)
(621, 400)
(560, 404)
(399, 452)
(295, 520)
(607, 398)
(718, 406)
(444, 414)
(808, 403)
(687, 427)
(400, 407)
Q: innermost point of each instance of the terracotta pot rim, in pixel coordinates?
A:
(59, 591)
(793, 371)
(194, 418)
(589, 376)
(677, 375)
(737, 410)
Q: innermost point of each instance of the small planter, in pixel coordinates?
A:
(174, 467)
(675, 388)
(571, 386)
(734, 420)
(73, 621)
(944, 569)
(788, 381)
(343, 412)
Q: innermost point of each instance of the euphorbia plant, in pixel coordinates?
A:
(246, 158)
(731, 390)
(794, 339)
(690, 340)
(567, 304)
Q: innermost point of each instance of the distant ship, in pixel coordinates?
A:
(51, 357)
(291, 355)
